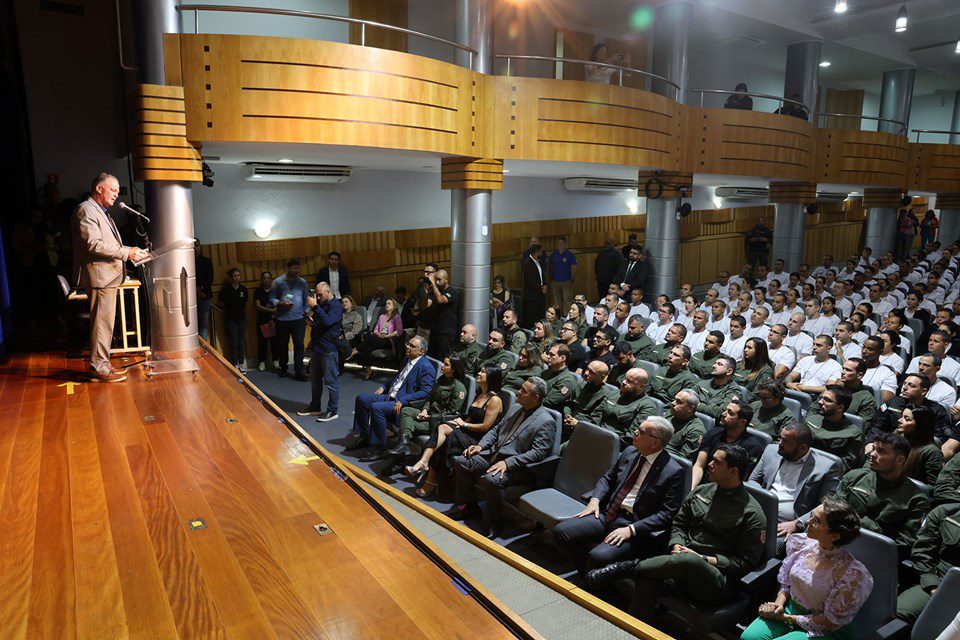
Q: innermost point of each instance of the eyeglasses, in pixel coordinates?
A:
(413, 345)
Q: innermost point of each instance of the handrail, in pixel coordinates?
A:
(620, 68)
(747, 93)
(919, 131)
(296, 13)
(903, 125)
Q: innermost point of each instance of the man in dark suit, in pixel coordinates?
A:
(633, 274)
(534, 287)
(794, 470)
(605, 266)
(632, 505)
(370, 411)
(335, 275)
(524, 436)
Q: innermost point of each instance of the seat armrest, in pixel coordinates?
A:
(585, 498)
(546, 469)
(759, 577)
(896, 629)
(416, 404)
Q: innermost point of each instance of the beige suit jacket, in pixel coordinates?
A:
(98, 252)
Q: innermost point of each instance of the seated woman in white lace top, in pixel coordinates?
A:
(822, 586)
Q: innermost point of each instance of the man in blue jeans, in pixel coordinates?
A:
(324, 368)
(289, 294)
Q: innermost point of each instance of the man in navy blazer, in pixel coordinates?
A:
(335, 275)
(630, 510)
(414, 382)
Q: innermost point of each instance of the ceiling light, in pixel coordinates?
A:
(901, 24)
(285, 160)
(263, 228)
(506, 170)
(824, 63)
(957, 50)
(840, 6)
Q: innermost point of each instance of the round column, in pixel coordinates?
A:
(788, 232)
(803, 73)
(662, 244)
(896, 95)
(474, 28)
(949, 226)
(470, 211)
(881, 229)
(671, 46)
(955, 120)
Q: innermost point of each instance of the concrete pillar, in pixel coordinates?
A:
(949, 226)
(662, 245)
(169, 204)
(896, 95)
(955, 120)
(881, 229)
(788, 231)
(671, 45)
(474, 28)
(803, 73)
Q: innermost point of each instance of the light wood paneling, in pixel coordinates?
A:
(159, 144)
(792, 192)
(867, 158)
(731, 141)
(934, 167)
(843, 101)
(541, 119)
(471, 173)
(882, 198)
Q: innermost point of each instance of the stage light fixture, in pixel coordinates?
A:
(901, 24)
(840, 6)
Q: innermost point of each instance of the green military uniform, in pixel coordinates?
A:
(620, 414)
(448, 397)
(700, 364)
(587, 403)
(666, 385)
(516, 377)
(894, 509)
(470, 354)
(642, 347)
(727, 524)
(863, 404)
(947, 488)
(928, 462)
(935, 552)
(771, 421)
(541, 345)
(843, 439)
(501, 359)
(714, 400)
(515, 339)
(562, 386)
(618, 372)
(766, 373)
(660, 353)
(687, 437)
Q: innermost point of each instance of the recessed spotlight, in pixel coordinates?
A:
(824, 63)
(840, 6)
(901, 24)
(506, 170)
(285, 160)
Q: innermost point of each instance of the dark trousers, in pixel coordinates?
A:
(534, 307)
(295, 329)
(440, 345)
(470, 472)
(602, 289)
(237, 338)
(581, 540)
(370, 414)
(902, 248)
(325, 372)
(686, 575)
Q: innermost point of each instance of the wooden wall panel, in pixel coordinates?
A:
(392, 12)
(867, 158)
(730, 141)
(934, 167)
(843, 101)
(158, 143)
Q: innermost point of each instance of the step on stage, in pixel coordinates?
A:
(181, 507)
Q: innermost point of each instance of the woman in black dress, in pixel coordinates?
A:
(451, 438)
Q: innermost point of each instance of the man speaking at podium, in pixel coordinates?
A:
(98, 264)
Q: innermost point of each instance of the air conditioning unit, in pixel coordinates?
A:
(831, 196)
(316, 173)
(742, 193)
(599, 184)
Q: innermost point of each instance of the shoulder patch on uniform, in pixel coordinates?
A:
(462, 395)
(702, 499)
(503, 365)
(861, 490)
(564, 389)
(763, 536)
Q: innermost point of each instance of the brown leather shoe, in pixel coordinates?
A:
(113, 376)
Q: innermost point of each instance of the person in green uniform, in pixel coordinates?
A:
(730, 429)
(935, 552)
(468, 348)
(591, 394)
(494, 355)
(530, 364)
(626, 360)
(917, 425)
(513, 335)
(448, 398)
(562, 384)
(688, 429)
(675, 335)
(673, 376)
(717, 537)
(623, 412)
(883, 495)
(754, 368)
(947, 488)
(862, 402)
(834, 432)
(554, 319)
(543, 335)
(638, 339)
(577, 314)
(770, 414)
(701, 363)
(720, 389)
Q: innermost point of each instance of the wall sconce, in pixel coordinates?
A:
(263, 228)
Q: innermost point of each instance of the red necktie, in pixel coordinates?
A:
(614, 509)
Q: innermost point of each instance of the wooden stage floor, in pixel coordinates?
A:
(98, 490)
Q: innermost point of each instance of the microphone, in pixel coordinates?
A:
(123, 205)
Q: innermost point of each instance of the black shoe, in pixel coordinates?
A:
(403, 446)
(465, 513)
(282, 373)
(494, 531)
(611, 573)
(379, 453)
(327, 416)
(416, 477)
(310, 411)
(358, 443)
(300, 377)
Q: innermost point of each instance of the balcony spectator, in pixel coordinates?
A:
(500, 299)
(740, 99)
(598, 73)
(758, 241)
(793, 109)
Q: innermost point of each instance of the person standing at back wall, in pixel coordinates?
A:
(563, 270)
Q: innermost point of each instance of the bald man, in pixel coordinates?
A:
(445, 303)
(468, 348)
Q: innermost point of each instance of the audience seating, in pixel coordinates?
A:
(941, 609)
(687, 472)
(879, 554)
(855, 419)
(648, 366)
(707, 421)
(804, 398)
(793, 405)
(765, 437)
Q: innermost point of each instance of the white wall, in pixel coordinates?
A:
(715, 72)
(267, 25)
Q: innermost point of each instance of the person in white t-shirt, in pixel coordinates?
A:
(779, 313)
(843, 344)
(929, 367)
(733, 293)
(637, 307)
(821, 270)
(796, 338)
(686, 289)
(658, 330)
(723, 281)
(880, 307)
(778, 273)
(781, 355)
(843, 305)
(813, 373)
(689, 308)
(708, 298)
(814, 322)
(698, 333)
(733, 345)
(743, 305)
(937, 344)
(879, 376)
(859, 335)
(718, 317)
(889, 355)
(758, 323)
